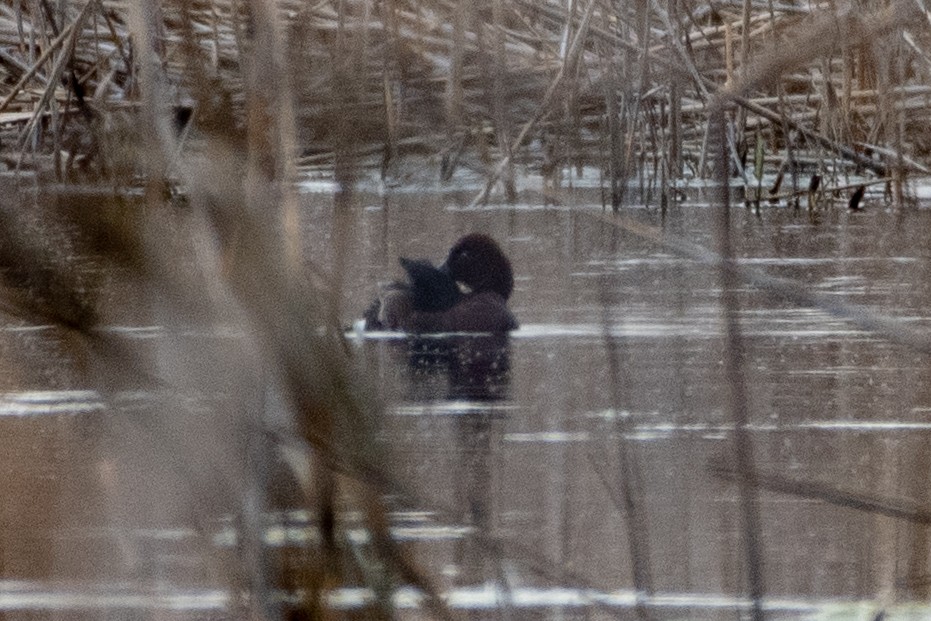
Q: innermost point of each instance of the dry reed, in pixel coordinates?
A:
(223, 100)
(406, 80)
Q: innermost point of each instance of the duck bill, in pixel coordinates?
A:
(464, 288)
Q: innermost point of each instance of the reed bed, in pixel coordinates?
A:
(224, 102)
(527, 86)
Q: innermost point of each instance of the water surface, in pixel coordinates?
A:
(512, 451)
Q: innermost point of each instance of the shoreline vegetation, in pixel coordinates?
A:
(225, 102)
(495, 87)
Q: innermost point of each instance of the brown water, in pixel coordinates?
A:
(512, 449)
(538, 464)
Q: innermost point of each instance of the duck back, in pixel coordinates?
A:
(485, 311)
(432, 289)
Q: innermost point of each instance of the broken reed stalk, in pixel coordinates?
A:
(734, 360)
(899, 119)
(612, 87)
(909, 511)
(630, 499)
(674, 146)
(392, 67)
(636, 108)
(498, 72)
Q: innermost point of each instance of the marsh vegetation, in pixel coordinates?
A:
(218, 446)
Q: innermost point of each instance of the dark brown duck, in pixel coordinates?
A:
(467, 293)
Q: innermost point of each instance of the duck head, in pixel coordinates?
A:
(478, 262)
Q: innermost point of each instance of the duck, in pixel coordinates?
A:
(468, 292)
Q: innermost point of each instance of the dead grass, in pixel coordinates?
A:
(224, 101)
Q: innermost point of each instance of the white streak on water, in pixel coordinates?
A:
(317, 186)
(431, 533)
(706, 329)
(37, 597)
(704, 326)
(626, 329)
(822, 260)
(524, 207)
(660, 430)
(450, 408)
(35, 328)
(867, 425)
(45, 402)
(156, 331)
(838, 425)
(139, 332)
(491, 596)
(302, 534)
(548, 437)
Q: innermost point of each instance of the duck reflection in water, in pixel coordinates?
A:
(471, 373)
(459, 367)
(477, 373)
